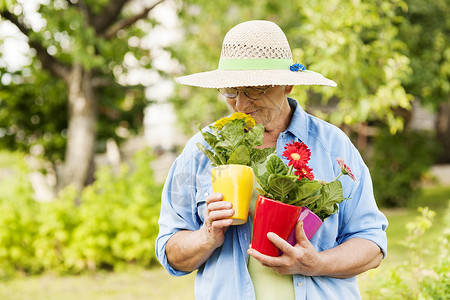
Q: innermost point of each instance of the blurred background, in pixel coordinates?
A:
(91, 120)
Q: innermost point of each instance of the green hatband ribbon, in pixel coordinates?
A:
(259, 64)
(256, 64)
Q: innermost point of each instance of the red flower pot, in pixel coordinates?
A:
(272, 216)
(280, 218)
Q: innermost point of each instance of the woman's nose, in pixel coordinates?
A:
(242, 102)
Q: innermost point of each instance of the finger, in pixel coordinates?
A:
(280, 243)
(300, 235)
(219, 210)
(220, 214)
(265, 260)
(221, 224)
(217, 225)
(219, 205)
(214, 198)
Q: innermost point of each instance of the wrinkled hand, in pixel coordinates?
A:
(216, 222)
(299, 259)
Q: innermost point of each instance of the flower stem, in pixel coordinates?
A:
(290, 169)
(338, 176)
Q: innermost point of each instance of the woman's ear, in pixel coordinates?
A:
(288, 89)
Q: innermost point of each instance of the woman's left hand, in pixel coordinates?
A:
(299, 259)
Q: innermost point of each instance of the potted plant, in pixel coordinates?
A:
(289, 193)
(234, 141)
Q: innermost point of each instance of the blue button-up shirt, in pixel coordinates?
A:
(225, 275)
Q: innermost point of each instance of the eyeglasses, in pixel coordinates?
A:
(254, 93)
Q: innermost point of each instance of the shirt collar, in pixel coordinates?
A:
(299, 123)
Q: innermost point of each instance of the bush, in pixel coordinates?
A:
(18, 211)
(115, 224)
(398, 164)
(416, 279)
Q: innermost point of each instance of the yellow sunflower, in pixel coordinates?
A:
(249, 121)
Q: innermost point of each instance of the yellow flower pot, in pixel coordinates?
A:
(235, 182)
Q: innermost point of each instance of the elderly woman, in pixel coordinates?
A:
(256, 73)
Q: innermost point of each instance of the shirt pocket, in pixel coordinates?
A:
(326, 236)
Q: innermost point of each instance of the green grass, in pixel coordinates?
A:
(400, 256)
(156, 284)
(437, 199)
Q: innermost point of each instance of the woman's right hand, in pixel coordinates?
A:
(217, 219)
(187, 250)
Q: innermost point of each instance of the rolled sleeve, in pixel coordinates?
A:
(362, 218)
(178, 212)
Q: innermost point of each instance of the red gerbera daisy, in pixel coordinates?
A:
(297, 153)
(304, 172)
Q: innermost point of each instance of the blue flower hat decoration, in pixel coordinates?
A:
(297, 67)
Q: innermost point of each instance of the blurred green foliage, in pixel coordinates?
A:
(115, 223)
(35, 119)
(382, 54)
(398, 164)
(415, 279)
(34, 107)
(355, 43)
(426, 32)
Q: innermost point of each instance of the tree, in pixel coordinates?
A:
(426, 32)
(70, 96)
(355, 43)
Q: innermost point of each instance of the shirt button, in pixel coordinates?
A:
(299, 284)
(206, 194)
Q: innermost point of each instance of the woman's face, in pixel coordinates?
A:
(266, 110)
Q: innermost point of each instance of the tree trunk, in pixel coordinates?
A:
(81, 129)
(443, 131)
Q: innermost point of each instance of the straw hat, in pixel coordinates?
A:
(255, 53)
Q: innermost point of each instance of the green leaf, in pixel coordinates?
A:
(306, 193)
(226, 145)
(264, 193)
(280, 186)
(232, 144)
(328, 203)
(214, 161)
(276, 166)
(311, 199)
(255, 136)
(333, 192)
(307, 188)
(258, 156)
(240, 157)
(261, 179)
(233, 133)
(221, 155)
(306, 202)
(210, 138)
